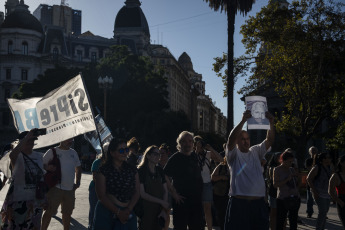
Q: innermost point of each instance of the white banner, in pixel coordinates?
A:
(65, 112)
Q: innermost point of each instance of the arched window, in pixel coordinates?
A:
(10, 47)
(25, 48)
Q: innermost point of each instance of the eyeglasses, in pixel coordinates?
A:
(123, 150)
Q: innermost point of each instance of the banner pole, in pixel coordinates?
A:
(93, 114)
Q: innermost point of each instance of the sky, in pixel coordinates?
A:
(180, 25)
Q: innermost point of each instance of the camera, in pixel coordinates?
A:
(39, 132)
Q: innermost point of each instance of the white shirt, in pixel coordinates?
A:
(246, 172)
(69, 160)
(25, 176)
(205, 172)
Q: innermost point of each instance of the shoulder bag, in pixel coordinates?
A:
(53, 178)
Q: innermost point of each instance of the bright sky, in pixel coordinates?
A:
(181, 25)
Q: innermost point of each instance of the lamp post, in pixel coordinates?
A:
(105, 84)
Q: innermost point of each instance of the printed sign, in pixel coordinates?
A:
(104, 133)
(65, 112)
(258, 107)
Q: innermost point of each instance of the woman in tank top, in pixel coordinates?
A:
(318, 180)
(337, 189)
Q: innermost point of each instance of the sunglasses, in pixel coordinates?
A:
(123, 150)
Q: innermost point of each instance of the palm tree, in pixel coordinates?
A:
(231, 7)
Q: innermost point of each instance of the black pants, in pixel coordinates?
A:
(188, 214)
(220, 203)
(282, 213)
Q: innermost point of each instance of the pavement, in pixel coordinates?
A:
(80, 215)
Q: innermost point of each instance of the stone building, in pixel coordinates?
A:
(30, 45)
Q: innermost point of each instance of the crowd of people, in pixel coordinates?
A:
(131, 191)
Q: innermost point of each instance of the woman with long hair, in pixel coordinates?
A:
(318, 180)
(285, 179)
(337, 188)
(153, 191)
(117, 188)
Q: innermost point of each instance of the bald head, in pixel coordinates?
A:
(313, 151)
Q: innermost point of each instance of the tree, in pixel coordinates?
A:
(231, 7)
(299, 52)
(137, 104)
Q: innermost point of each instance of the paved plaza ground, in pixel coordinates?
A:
(80, 215)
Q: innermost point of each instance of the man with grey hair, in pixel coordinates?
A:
(186, 187)
(313, 151)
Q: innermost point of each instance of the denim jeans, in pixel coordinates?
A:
(243, 214)
(323, 206)
(92, 201)
(104, 220)
(310, 202)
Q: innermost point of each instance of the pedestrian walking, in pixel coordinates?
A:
(313, 151)
(247, 208)
(337, 189)
(117, 188)
(318, 180)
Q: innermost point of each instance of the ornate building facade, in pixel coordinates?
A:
(30, 45)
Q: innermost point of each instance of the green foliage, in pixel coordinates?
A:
(300, 53)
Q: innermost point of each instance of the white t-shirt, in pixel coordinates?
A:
(69, 160)
(246, 172)
(25, 176)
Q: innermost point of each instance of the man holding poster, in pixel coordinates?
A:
(247, 208)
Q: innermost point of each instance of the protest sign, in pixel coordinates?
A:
(65, 112)
(258, 107)
(104, 134)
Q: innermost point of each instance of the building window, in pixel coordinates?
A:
(24, 74)
(93, 56)
(10, 47)
(201, 120)
(79, 55)
(25, 48)
(8, 74)
(7, 93)
(55, 53)
(162, 61)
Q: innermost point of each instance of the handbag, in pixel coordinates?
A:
(292, 202)
(53, 178)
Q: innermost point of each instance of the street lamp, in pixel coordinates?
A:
(105, 84)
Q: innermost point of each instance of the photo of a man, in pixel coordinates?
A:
(258, 107)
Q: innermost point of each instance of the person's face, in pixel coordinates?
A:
(288, 162)
(326, 160)
(153, 156)
(120, 153)
(243, 142)
(29, 145)
(186, 144)
(67, 143)
(163, 155)
(258, 113)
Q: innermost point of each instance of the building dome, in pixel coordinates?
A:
(131, 17)
(22, 18)
(185, 61)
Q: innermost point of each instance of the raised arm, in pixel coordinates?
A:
(271, 132)
(232, 140)
(214, 154)
(15, 152)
